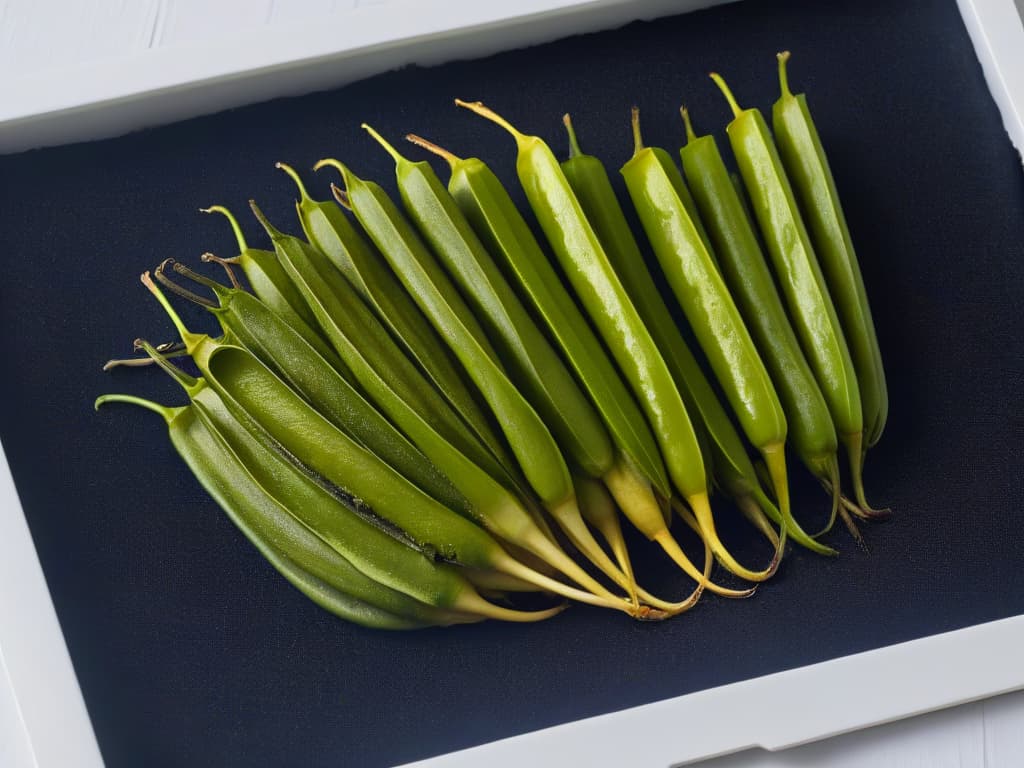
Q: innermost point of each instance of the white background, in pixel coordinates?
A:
(41, 35)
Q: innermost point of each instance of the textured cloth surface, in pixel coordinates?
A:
(192, 651)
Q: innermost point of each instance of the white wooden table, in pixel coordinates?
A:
(36, 35)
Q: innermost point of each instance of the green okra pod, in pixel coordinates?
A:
(270, 283)
(586, 265)
(536, 451)
(800, 278)
(252, 392)
(533, 364)
(503, 231)
(368, 349)
(295, 551)
(730, 465)
(490, 502)
(803, 157)
(716, 323)
(489, 210)
(743, 265)
(248, 322)
(328, 229)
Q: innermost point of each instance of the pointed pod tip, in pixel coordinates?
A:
(433, 148)
(341, 196)
(293, 174)
(388, 147)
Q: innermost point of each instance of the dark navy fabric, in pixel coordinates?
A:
(191, 651)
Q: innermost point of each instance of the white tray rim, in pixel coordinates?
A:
(39, 694)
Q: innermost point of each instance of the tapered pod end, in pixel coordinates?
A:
(388, 147)
(303, 195)
(471, 602)
(190, 339)
(274, 232)
(783, 58)
(207, 258)
(166, 412)
(160, 274)
(341, 197)
(854, 448)
(638, 138)
(685, 113)
(235, 226)
(477, 107)
(449, 157)
(574, 145)
(727, 92)
(701, 507)
(347, 178)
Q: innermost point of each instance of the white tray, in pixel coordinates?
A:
(43, 721)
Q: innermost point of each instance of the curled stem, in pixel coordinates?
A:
(702, 511)
(184, 293)
(168, 350)
(166, 412)
(430, 146)
(187, 382)
(226, 263)
(855, 449)
(295, 177)
(341, 197)
(477, 107)
(190, 339)
(239, 235)
(398, 157)
(470, 601)
(783, 58)
(727, 93)
(830, 482)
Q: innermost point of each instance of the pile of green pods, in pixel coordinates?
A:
(419, 413)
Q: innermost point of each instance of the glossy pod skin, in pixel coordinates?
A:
(328, 230)
(750, 282)
(368, 349)
(731, 466)
(497, 222)
(803, 285)
(252, 391)
(298, 554)
(248, 322)
(714, 318)
(491, 503)
(270, 283)
(533, 364)
(807, 167)
(585, 264)
(598, 288)
(536, 451)
(505, 234)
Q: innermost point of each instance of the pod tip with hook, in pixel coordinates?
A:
(294, 177)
